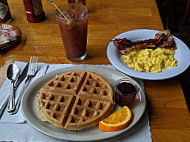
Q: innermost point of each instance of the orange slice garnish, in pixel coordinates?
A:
(117, 120)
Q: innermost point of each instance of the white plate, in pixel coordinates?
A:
(31, 115)
(182, 55)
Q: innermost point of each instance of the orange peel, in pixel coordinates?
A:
(117, 120)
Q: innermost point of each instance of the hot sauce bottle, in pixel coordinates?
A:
(34, 11)
(5, 15)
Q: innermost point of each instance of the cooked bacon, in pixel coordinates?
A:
(168, 45)
(162, 40)
(122, 43)
(145, 42)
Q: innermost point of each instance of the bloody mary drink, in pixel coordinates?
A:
(73, 26)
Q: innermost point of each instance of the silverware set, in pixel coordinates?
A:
(13, 74)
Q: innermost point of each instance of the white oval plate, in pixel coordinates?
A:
(31, 115)
(182, 55)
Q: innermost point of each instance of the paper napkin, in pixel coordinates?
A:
(5, 89)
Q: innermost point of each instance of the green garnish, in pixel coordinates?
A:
(70, 21)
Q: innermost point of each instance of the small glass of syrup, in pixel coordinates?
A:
(125, 92)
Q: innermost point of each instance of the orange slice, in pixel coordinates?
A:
(117, 120)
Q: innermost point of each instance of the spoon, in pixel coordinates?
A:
(12, 74)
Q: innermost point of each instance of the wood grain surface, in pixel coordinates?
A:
(169, 117)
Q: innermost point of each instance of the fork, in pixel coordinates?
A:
(32, 70)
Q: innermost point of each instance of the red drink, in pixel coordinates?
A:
(73, 30)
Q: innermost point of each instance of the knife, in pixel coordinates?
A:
(22, 76)
(17, 83)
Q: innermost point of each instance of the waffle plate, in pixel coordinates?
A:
(93, 133)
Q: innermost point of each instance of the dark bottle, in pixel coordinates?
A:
(34, 11)
(5, 15)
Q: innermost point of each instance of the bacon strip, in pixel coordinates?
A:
(161, 40)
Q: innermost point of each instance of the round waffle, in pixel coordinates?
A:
(75, 100)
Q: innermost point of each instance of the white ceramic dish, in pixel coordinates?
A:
(31, 115)
(182, 55)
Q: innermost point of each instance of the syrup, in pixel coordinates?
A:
(125, 92)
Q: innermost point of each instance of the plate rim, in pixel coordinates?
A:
(82, 138)
(115, 61)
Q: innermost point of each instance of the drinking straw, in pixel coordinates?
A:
(76, 8)
(58, 8)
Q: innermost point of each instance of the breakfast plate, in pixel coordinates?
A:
(182, 54)
(93, 133)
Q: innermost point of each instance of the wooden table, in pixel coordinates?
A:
(169, 117)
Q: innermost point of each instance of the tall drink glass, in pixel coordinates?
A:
(73, 30)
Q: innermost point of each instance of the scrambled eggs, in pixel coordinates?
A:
(150, 60)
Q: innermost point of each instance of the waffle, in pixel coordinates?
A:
(75, 100)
